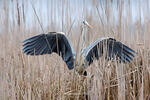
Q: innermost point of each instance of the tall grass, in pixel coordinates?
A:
(47, 77)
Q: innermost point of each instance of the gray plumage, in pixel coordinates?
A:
(111, 48)
(57, 42)
(49, 43)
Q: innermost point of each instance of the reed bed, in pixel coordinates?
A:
(47, 77)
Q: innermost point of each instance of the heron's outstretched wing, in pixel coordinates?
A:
(49, 43)
(111, 47)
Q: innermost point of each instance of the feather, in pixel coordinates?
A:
(47, 44)
(113, 49)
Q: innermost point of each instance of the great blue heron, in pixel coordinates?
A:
(57, 42)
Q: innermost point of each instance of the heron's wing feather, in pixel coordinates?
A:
(49, 43)
(111, 48)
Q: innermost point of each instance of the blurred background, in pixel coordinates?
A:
(47, 77)
(119, 17)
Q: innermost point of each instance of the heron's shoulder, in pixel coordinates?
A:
(106, 38)
(100, 39)
(61, 33)
(56, 33)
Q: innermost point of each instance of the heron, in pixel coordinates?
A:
(58, 42)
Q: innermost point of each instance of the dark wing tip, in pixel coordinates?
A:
(47, 43)
(127, 54)
(70, 66)
(115, 49)
(34, 45)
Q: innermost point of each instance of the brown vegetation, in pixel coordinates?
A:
(47, 77)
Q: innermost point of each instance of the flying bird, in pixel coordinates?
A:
(57, 42)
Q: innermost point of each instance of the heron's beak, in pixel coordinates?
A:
(86, 23)
(90, 26)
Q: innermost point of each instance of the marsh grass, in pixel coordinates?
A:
(47, 77)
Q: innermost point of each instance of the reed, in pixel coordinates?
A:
(47, 77)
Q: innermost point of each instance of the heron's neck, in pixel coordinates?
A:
(83, 43)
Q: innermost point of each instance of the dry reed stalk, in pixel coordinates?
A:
(47, 77)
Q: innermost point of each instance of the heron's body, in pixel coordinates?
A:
(57, 42)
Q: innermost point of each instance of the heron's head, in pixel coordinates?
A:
(87, 24)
